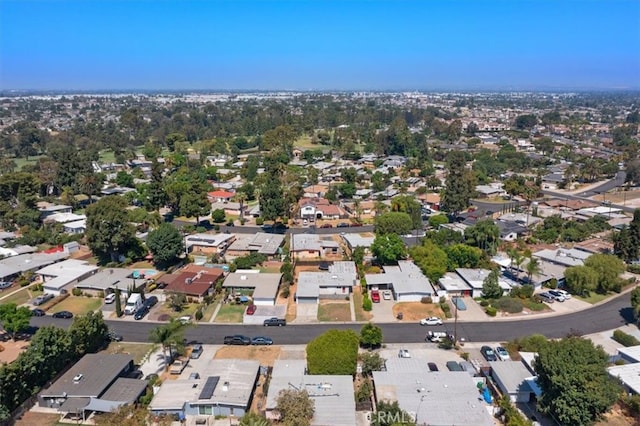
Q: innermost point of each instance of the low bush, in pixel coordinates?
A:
(633, 403)
(426, 300)
(491, 311)
(367, 304)
(634, 268)
(286, 291)
(199, 314)
(259, 221)
(372, 270)
(76, 291)
(552, 284)
(522, 291)
(511, 305)
(534, 305)
(625, 339)
(484, 303)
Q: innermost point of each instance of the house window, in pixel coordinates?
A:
(205, 410)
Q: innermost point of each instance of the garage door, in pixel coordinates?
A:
(308, 300)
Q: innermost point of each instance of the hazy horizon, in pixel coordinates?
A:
(378, 45)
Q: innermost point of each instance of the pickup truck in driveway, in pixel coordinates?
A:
(178, 365)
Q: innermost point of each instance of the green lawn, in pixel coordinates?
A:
(137, 350)
(107, 156)
(21, 162)
(338, 311)
(230, 313)
(21, 296)
(188, 309)
(207, 313)
(593, 298)
(78, 305)
(304, 141)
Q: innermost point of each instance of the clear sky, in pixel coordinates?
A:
(316, 45)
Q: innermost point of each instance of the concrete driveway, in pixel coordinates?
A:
(306, 313)
(383, 311)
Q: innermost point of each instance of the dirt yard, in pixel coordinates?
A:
(11, 348)
(333, 310)
(414, 311)
(265, 354)
(31, 418)
(617, 417)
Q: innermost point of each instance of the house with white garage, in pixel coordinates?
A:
(208, 243)
(313, 246)
(337, 282)
(264, 285)
(359, 240)
(63, 274)
(11, 267)
(260, 242)
(406, 281)
(332, 395)
(474, 278)
(514, 379)
(107, 280)
(454, 286)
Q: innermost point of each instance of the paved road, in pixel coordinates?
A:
(250, 229)
(607, 316)
(607, 186)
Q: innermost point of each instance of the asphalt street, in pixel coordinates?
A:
(607, 316)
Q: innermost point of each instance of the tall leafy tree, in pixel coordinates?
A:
(398, 223)
(370, 335)
(109, 235)
(572, 374)
(166, 244)
(459, 185)
(388, 249)
(608, 268)
(14, 319)
(168, 336)
(88, 332)
(295, 406)
(491, 287)
(408, 204)
(484, 235)
(581, 280)
(431, 259)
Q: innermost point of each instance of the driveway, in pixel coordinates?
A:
(306, 313)
(383, 311)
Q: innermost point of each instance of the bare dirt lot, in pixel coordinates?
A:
(265, 354)
(414, 311)
(31, 418)
(11, 348)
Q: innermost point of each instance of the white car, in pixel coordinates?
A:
(110, 298)
(502, 354)
(386, 295)
(566, 294)
(404, 353)
(431, 321)
(186, 319)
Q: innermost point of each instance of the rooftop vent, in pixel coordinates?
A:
(225, 386)
(188, 281)
(243, 277)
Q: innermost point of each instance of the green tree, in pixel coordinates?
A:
(388, 249)
(436, 220)
(118, 302)
(463, 256)
(393, 223)
(194, 204)
(581, 280)
(176, 301)
(14, 319)
(572, 374)
(109, 235)
(390, 414)
(408, 204)
(124, 179)
(635, 302)
(459, 185)
(532, 268)
(273, 203)
(88, 333)
(166, 244)
(371, 361)
(484, 235)
(370, 335)
(168, 336)
(490, 286)
(608, 267)
(218, 216)
(333, 352)
(252, 419)
(526, 121)
(295, 407)
(431, 259)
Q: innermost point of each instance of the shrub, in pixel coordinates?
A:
(625, 339)
(465, 356)
(491, 311)
(552, 284)
(286, 291)
(522, 291)
(367, 304)
(511, 305)
(373, 270)
(426, 300)
(484, 303)
(333, 352)
(199, 314)
(446, 344)
(633, 402)
(634, 268)
(76, 291)
(259, 221)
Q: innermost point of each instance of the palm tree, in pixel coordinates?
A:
(167, 335)
(241, 197)
(532, 268)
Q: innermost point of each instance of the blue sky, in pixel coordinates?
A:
(315, 45)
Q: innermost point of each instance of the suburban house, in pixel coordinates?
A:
(628, 373)
(264, 285)
(490, 191)
(454, 286)
(320, 208)
(313, 246)
(63, 274)
(337, 282)
(225, 388)
(96, 383)
(474, 278)
(208, 243)
(11, 267)
(432, 397)
(332, 395)
(48, 209)
(193, 284)
(358, 240)
(220, 196)
(406, 281)
(514, 379)
(230, 208)
(260, 242)
(108, 279)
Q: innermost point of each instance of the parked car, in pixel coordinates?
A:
(502, 354)
(432, 366)
(237, 340)
(404, 353)
(38, 312)
(275, 322)
(327, 225)
(566, 294)
(196, 351)
(454, 366)
(5, 284)
(342, 225)
(45, 297)
(112, 336)
(323, 266)
(150, 301)
(546, 297)
(261, 341)
(386, 295)
(63, 314)
(194, 376)
(251, 309)
(488, 353)
(557, 296)
(356, 224)
(141, 312)
(185, 319)
(375, 296)
(431, 321)
(110, 298)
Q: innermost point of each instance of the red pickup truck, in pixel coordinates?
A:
(375, 296)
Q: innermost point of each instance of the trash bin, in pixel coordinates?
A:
(399, 316)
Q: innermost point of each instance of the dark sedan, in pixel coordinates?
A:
(113, 337)
(488, 353)
(150, 301)
(261, 341)
(63, 314)
(38, 312)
